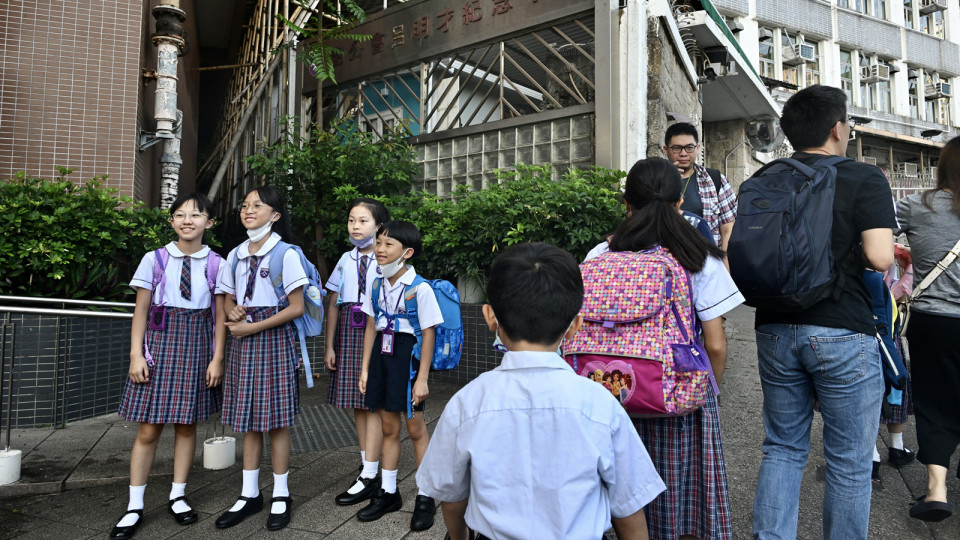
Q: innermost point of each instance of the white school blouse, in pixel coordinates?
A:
(232, 283)
(199, 292)
(714, 292)
(428, 310)
(343, 280)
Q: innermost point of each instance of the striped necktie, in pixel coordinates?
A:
(185, 278)
(252, 275)
(362, 276)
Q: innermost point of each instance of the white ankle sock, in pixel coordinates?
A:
(178, 490)
(136, 503)
(896, 440)
(421, 492)
(279, 490)
(363, 455)
(876, 454)
(370, 469)
(389, 481)
(251, 488)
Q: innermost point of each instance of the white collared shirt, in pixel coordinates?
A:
(235, 283)
(199, 292)
(391, 296)
(343, 280)
(714, 292)
(539, 452)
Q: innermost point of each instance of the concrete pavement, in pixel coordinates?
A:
(74, 481)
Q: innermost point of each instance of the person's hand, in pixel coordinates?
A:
(237, 314)
(362, 382)
(679, 168)
(240, 329)
(420, 391)
(139, 371)
(214, 373)
(330, 359)
(902, 255)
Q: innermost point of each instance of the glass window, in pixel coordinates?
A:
(884, 94)
(908, 13)
(791, 74)
(933, 24)
(913, 97)
(811, 70)
(846, 74)
(766, 53)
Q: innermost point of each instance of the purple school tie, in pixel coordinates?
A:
(185, 279)
(362, 277)
(251, 276)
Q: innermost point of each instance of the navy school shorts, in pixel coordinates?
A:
(389, 375)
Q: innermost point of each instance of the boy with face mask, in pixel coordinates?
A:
(391, 377)
(531, 449)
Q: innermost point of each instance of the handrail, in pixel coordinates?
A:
(43, 300)
(66, 312)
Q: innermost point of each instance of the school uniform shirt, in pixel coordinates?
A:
(264, 295)
(343, 280)
(496, 446)
(714, 292)
(428, 310)
(199, 291)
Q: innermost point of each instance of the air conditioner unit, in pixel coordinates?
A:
(874, 73)
(869, 160)
(909, 169)
(938, 90)
(801, 53)
(929, 6)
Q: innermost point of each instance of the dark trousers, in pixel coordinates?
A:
(935, 374)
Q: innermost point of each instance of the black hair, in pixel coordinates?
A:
(653, 189)
(681, 128)
(404, 232)
(810, 114)
(377, 209)
(535, 290)
(200, 200)
(948, 176)
(272, 198)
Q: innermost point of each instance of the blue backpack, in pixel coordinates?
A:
(780, 250)
(310, 324)
(894, 369)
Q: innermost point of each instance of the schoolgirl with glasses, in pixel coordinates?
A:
(176, 355)
(261, 391)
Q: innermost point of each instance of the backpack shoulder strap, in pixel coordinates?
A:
(375, 298)
(715, 176)
(213, 270)
(410, 304)
(160, 258)
(276, 266)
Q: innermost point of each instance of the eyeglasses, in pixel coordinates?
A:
(180, 216)
(676, 149)
(255, 206)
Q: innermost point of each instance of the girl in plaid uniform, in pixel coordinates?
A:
(261, 393)
(176, 359)
(686, 450)
(350, 281)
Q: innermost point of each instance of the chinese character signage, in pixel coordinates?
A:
(420, 30)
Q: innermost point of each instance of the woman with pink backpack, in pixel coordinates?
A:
(686, 450)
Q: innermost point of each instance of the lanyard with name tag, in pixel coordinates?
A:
(386, 339)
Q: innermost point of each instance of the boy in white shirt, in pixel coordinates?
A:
(530, 449)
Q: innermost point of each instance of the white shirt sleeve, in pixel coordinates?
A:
(631, 478)
(600, 249)
(226, 279)
(445, 471)
(294, 275)
(335, 281)
(714, 292)
(143, 277)
(366, 305)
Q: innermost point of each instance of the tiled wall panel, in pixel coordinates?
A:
(737, 7)
(808, 16)
(868, 34)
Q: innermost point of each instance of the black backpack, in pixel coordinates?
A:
(780, 250)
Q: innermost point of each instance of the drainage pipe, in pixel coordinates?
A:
(170, 42)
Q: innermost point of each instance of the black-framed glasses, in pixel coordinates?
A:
(676, 149)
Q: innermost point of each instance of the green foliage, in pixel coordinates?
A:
(317, 48)
(64, 240)
(318, 174)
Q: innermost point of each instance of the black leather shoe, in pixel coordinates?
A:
(183, 518)
(930, 510)
(127, 532)
(423, 512)
(380, 504)
(898, 458)
(370, 487)
(229, 519)
(278, 521)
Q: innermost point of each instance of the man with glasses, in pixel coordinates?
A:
(706, 192)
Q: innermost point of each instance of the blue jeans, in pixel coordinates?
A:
(841, 369)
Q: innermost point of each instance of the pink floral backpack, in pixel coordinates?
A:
(639, 334)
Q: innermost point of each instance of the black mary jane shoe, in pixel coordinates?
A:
(380, 504)
(424, 510)
(252, 506)
(370, 488)
(129, 531)
(898, 458)
(183, 518)
(278, 521)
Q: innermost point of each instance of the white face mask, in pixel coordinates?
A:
(260, 233)
(390, 269)
(363, 243)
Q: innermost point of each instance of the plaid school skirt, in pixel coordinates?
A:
(177, 391)
(688, 455)
(261, 391)
(343, 391)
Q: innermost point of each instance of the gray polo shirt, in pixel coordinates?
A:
(931, 234)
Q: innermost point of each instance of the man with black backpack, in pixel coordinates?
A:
(805, 230)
